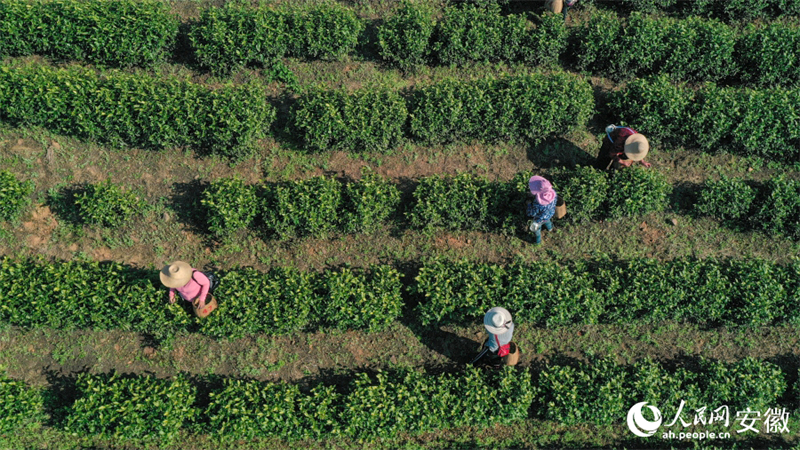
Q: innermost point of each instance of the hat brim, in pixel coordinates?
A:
(171, 280)
(636, 147)
(495, 330)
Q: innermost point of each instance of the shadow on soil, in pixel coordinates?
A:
(558, 153)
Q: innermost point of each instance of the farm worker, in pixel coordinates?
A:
(542, 207)
(622, 146)
(498, 324)
(190, 283)
(560, 6)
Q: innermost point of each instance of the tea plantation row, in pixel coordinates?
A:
(89, 295)
(127, 33)
(141, 110)
(385, 404)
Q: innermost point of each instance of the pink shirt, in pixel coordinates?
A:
(197, 287)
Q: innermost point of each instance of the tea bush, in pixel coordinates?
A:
(14, 195)
(358, 299)
(21, 406)
(599, 392)
(367, 119)
(523, 107)
(369, 202)
(767, 54)
(107, 204)
(778, 210)
(734, 10)
(326, 30)
(120, 33)
(136, 110)
(125, 407)
(725, 199)
(305, 207)
(404, 37)
(229, 205)
(635, 191)
(584, 189)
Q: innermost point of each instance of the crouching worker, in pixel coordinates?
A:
(622, 146)
(542, 207)
(500, 327)
(191, 284)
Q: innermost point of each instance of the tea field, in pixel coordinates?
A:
(355, 173)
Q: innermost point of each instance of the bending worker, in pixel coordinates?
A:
(191, 284)
(622, 146)
(542, 208)
(498, 324)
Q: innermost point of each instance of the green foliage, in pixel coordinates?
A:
(14, 195)
(229, 205)
(107, 204)
(543, 44)
(584, 189)
(326, 30)
(364, 120)
(20, 406)
(132, 407)
(300, 208)
(523, 107)
(120, 33)
(369, 202)
(602, 391)
(461, 202)
(358, 299)
(227, 38)
(779, 211)
(404, 38)
(635, 191)
(136, 110)
(725, 199)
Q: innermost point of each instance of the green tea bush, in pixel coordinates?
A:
(244, 410)
(276, 302)
(635, 191)
(107, 204)
(779, 210)
(358, 299)
(136, 110)
(478, 33)
(299, 208)
(594, 39)
(725, 199)
(21, 406)
(225, 39)
(230, 205)
(524, 107)
(544, 44)
(761, 113)
(369, 202)
(461, 202)
(584, 189)
(768, 54)
(404, 37)
(125, 407)
(120, 33)
(600, 391)
(326, 30)
(364, 120)
(14, 195)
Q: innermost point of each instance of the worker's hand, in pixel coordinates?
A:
(646, 164)
(172, 301)
(201, 304)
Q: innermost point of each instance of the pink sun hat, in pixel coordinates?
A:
(542, 190)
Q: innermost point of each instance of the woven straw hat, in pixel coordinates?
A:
(636, 147)
(497, 320)
(554, 6)
(176, 275)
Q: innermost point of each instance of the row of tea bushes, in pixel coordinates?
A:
(692, 49)
(710, 292)
(386, 404)
(135, 110)
(729, 10)
(102, 296)
(119, 33)
(773, 206)
(761, 122)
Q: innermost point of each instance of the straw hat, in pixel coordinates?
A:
(176, 275)
(497, 320)
(636, 147)
(542, 190)
(554, 6)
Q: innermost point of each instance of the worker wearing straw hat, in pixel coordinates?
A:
(189, 283)
(622, 147)
(542, 207)
(500, 327)
(560, 6)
